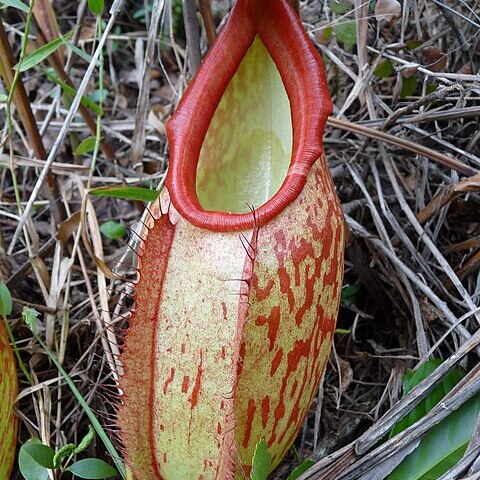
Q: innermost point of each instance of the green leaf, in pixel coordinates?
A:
(93, 468)
(3, 98)
(431, 87)
(385, 69)
(72, 92)
(83, 55)
(30, 316)
(346, 32)
(29, 468)
(327, 33)
(96, 6)
(63, 452)
(41, 53)
(34, 460)
(261, 462)
(15, 4)
(127, 193)
(411, 379)
(87, 145)
(5, 301)
(413, 44)
(40, 453)
(342, 331)
(113, 230)
(409, 85)
(444, 445)
(349, 294)
(302, 468)
(86, 440)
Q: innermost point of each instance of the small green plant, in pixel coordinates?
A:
(96, 6)
(349, 294)
(344, 28)
(86, 146)
(36, 459)
(41, 53)
(409, 85)
(262, 464)
(385, 69)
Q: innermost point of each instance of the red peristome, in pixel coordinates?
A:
(301, 69)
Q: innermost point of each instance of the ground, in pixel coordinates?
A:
(402, 145)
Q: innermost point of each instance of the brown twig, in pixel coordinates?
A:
(438, 94)
(471, 184)
(193, 36)
(138, 138)
(25, 269)
(48, 31)
(22, 104)
(438, 157)
(209, 24)
(20, 98)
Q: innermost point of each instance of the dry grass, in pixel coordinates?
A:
(406, 170)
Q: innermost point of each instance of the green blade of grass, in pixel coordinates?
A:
(127, 193)
(14, 4)
(41, 53)
(86, 102)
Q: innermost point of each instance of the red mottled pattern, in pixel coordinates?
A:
(233, 324)
(8, 394)
(211, 367)
(294, 299)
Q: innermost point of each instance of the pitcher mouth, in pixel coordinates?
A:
(247, 149)
(300, 68)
